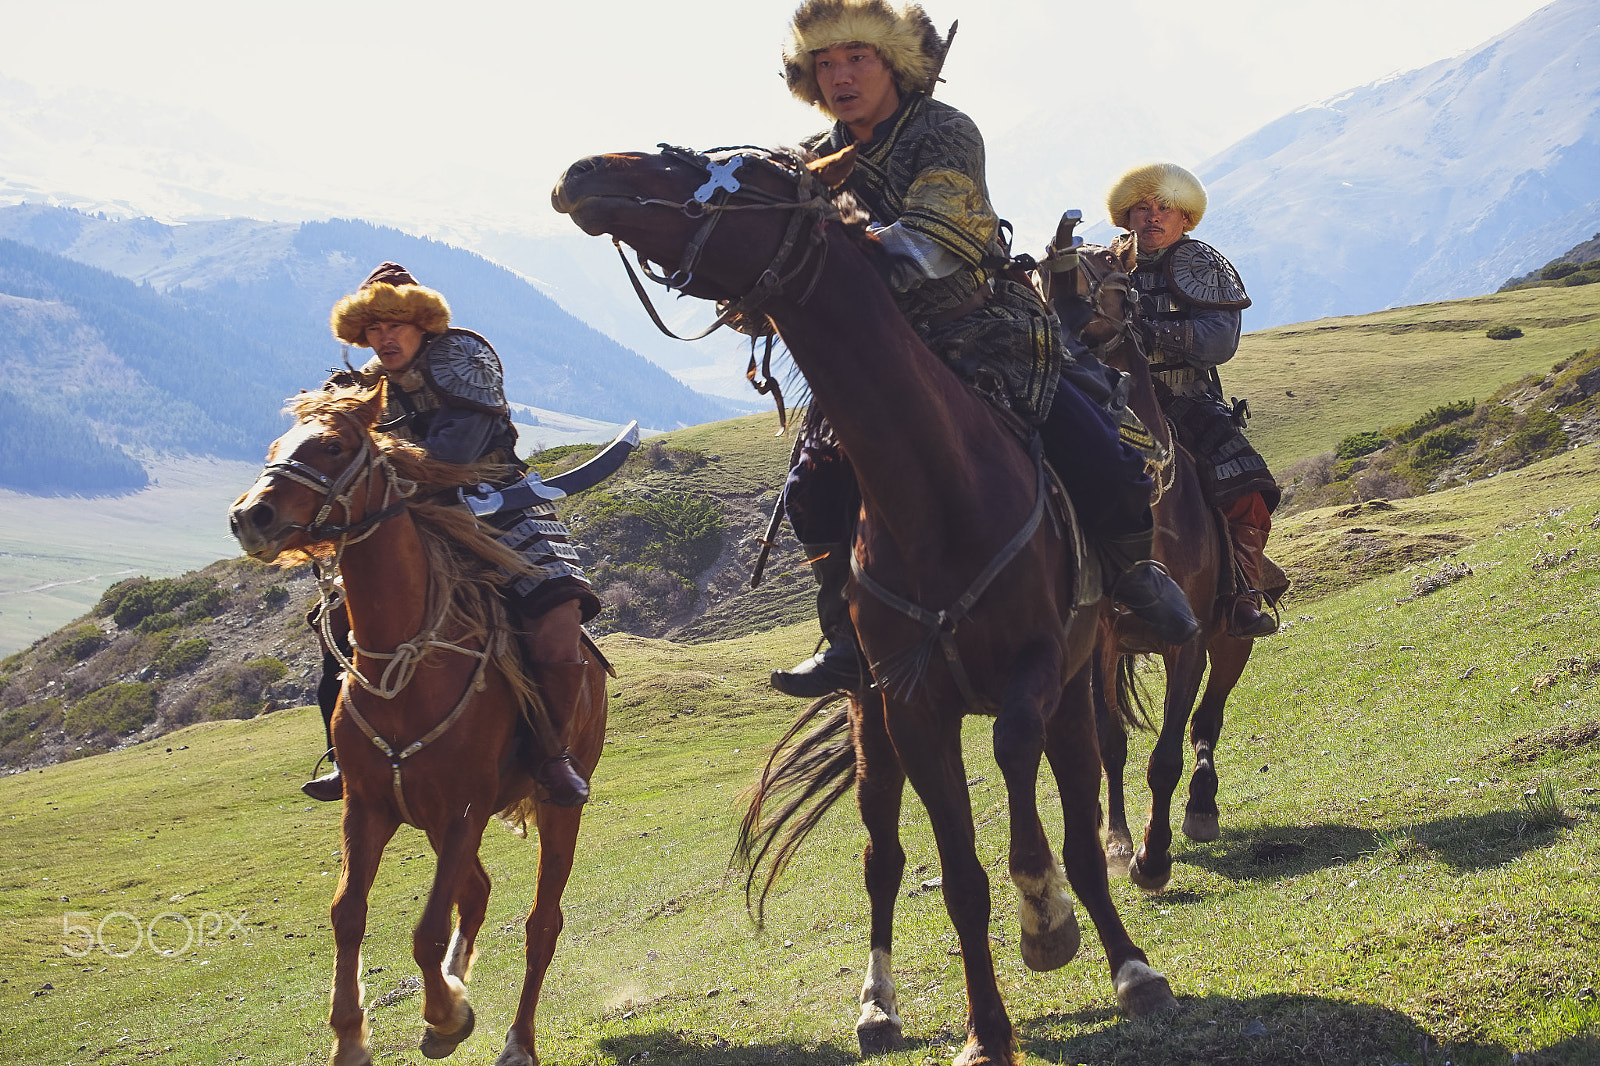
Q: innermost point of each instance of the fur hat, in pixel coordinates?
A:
(905, 39)
(390, 294)
(1167, 183)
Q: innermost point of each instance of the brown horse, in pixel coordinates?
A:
(426, 725)
(950, 555)
(1190, 543)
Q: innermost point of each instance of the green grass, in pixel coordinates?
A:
(1367, 371)
(1406, 871)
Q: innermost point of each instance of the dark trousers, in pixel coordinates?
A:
(1104, 476)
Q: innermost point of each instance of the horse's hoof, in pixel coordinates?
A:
(515, 1054)
(357, 1057)
(1118, 854)
(438, 1045)
(1141, 991)
(877, 1032)
(1201, 828)
(978, 1054)
(1051, 949)
(1145, 876)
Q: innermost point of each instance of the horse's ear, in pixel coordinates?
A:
(832, 170)
(371, 410)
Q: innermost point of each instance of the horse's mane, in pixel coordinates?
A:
(467, 566)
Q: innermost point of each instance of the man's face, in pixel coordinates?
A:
(394, 343)
(1156, 224)
(857, 85)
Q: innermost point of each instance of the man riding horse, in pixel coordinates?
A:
(1190, 303)
(919, 173)
(443, 391)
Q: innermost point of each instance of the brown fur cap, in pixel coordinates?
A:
(905, 39)
(390, 294)
(1167, 183)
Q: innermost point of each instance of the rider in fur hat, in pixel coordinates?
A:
(444, 392)
(1190, 302)
(919, 174)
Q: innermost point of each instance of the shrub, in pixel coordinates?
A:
(158, 597)
(1503, 333)
(184, 655)
(1433, 450)
(112, 597)
(677, 531)
(1583, 278)
(1433, 419)
(1557, 271)
(1358, 444)
(237, 691)
(115, 709)
(273, 595)
(1539, 436)
(22, 728)
(80, 643)
(158, 623)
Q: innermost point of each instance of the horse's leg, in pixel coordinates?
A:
(1228, 658)
(472, 902)
(1151, 866)
(1112, 732)
(880, 786)
(1070, 745)
(558, 845)
(445, 1008)
(929, 749)
(365, 831)
(1044, 907)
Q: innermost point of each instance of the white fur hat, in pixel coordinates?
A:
(1167, 183)
(905, 39)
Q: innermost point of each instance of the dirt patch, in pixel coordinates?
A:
(1535, 746)
(1330, 559)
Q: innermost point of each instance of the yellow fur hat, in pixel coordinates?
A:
(1166, 182)
(390, 294)
(905, 39)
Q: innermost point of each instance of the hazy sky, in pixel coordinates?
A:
(342, 98)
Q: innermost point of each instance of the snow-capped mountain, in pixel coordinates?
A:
(1434, 184)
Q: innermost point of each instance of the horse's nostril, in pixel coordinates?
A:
(260, 515)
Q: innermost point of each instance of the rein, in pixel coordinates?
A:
(903, 672)
(716, 198)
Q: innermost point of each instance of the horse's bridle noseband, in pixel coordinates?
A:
(335, 490)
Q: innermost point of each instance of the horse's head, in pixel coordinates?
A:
(325, 470)
(732, 224)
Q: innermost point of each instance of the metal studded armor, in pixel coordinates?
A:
(927, 174)
(1190, 298)
(457, 378)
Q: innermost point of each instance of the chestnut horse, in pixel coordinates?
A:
(950, 555)
(1189, 542)
(425, 729)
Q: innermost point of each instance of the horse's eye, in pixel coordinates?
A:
(333, 447)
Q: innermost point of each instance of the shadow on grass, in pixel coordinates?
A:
(1281, 1030)
(1463, 842)
(709, 1049)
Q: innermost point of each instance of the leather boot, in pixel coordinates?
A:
(553, 767)
(327, 788)
(1144, 587)
(1245, 616)
(839, 665)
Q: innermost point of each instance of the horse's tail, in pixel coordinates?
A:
(1129, 700)
(806, 776)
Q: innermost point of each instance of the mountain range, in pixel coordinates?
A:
(186, 337)
(1433, 184)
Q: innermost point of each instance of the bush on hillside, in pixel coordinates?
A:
(1557, 271)
(184, 655)
(112, 597)
(80, 643)
(1358, 444)
(113, 710)
(22, 729)
(1434, 418)
(677, 531)
(1538, 437)
(158, 597)
(237, 691)
(1503, 333)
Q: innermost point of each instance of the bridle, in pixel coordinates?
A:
(723, 192)
(336, 491)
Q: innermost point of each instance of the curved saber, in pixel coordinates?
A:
(485, 499)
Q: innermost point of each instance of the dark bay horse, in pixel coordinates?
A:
(1190, 544)
(426, 725)
(963, 595)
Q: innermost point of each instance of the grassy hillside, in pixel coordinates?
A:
(1411, 825)
(1312, 383)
